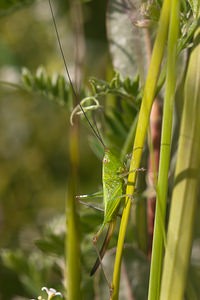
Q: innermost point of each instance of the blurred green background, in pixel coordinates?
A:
(34, 134)
(34, 149)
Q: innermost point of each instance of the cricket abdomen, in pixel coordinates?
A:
(113, 191)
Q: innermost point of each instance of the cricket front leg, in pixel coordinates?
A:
(94, 195)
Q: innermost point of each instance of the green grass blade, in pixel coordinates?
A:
(158, 239)
(73, 264)
(143, 121)
(184, 196)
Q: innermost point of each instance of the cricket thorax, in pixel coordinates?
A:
(112, 166)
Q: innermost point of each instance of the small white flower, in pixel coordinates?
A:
(51, 293)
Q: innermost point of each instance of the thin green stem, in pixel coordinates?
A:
(143, 121)
(161, 220)
(73, 265)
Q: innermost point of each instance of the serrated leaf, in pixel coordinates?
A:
(53, 87)
(131, 86)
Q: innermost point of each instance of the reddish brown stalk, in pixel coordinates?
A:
(155, 127)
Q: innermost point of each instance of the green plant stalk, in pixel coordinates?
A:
(184, 198)
(143, 121)
(141, 218)
(72, 255)
(158, 239)
(151, 148)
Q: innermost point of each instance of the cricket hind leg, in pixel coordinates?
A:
(101, 253)
(107, 239)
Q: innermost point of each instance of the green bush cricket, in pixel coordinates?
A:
(112, 177)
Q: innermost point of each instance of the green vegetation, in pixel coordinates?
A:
(147, 57)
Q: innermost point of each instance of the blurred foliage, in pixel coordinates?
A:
(8, 7)
(34, 146)
(53, 87)
(34, 138)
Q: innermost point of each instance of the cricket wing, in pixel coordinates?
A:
(104, 246)
(113, 199)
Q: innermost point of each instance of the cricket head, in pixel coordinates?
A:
(112, 164)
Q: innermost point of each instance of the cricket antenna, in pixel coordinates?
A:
(70, 80)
